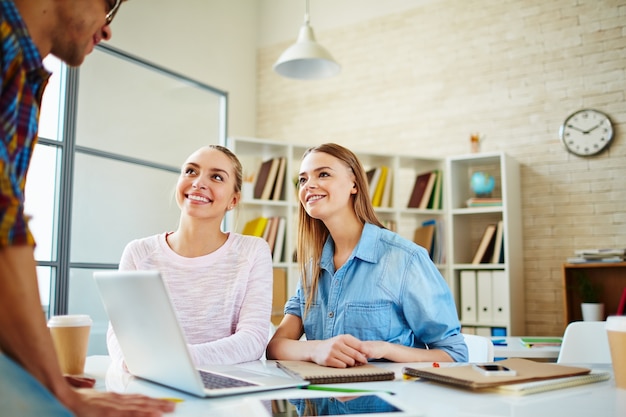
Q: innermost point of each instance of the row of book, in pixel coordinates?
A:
(491, 246)
(427, 191)
(270, 179)
(380, 186)
(430, 236)
(272, 229)
(598, 255)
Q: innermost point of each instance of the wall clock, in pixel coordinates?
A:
(586, 132)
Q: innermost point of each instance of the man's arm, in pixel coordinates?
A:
(25, 338)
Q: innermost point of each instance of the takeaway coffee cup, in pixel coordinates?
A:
(70, 335)
(616, 331)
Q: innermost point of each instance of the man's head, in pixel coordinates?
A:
(68, 29)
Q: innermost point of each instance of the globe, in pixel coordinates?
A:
(482, 183)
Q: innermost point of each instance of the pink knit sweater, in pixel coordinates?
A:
(223, 300)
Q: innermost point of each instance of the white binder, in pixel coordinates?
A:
(468, 296)
(484, 296)
(500, 298)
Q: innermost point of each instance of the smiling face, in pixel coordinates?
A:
(206, 186)
(326, 186)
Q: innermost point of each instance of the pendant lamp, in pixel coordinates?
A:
(306, 59)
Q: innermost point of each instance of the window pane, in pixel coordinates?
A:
(44, 277)
(84, 298)
(142, 113)
(115, 202)
(51, 106)
(40, 200)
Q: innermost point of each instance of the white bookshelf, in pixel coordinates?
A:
(466, 226)
(462, 226)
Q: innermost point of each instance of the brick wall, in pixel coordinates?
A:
(422, 81)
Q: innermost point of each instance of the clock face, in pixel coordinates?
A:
(587, 132)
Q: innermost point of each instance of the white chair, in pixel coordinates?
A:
(585, 342)
(479, 348)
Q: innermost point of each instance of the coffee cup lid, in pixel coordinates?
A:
(70, 320)
(616, 323)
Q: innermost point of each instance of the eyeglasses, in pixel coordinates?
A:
(109, 16)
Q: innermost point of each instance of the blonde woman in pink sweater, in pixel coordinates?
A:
(220, 283)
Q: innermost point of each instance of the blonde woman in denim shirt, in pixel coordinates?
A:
(366, 293)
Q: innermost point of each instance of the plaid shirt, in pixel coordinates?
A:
(23, 79)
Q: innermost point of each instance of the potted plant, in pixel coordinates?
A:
(591, 306)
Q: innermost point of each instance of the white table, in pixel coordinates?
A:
(424, 398)
(514, 348)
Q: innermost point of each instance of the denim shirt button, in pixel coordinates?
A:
(331, 315)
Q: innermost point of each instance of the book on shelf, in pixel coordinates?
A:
(465, 376)
(423, 186)
(485, 246)
(425, 236)
(261, 178)
(386, 200)
(484, 202)
(541, 341)
(373, 178)
(279, 245)
(498, 254)
(428, 190)
(255, 227)
(280, 179)
(318, 374)
(621, 307)
(279, 295)
(435, 202)
(266, 179)
(272, 230)
(377, 198)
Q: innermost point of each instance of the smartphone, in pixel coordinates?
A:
(493, 369)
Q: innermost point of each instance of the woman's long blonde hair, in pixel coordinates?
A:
(312, 233)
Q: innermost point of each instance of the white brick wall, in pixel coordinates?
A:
(423, 80)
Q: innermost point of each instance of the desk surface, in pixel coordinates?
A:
(514, 348)
(422, 397)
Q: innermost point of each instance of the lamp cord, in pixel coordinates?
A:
(306, 14)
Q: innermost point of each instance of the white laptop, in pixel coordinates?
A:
(154, 345)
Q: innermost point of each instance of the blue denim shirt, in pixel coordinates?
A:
(387, 290)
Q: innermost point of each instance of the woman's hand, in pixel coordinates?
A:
(376, 349)
(341, 351)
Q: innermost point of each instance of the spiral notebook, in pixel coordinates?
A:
(318, 374)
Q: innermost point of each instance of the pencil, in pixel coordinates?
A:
(346, 390)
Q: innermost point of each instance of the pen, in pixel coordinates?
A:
(347, 390)
(174, 400)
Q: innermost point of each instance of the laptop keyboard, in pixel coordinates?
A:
(215, 381)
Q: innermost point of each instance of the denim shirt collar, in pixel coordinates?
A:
(367, 249)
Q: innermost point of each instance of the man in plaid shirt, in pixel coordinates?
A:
(31, 383)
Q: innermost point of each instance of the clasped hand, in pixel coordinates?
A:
(344, 351)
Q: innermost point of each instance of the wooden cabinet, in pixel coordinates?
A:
(610, 277)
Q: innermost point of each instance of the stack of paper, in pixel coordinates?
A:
(598, 255)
